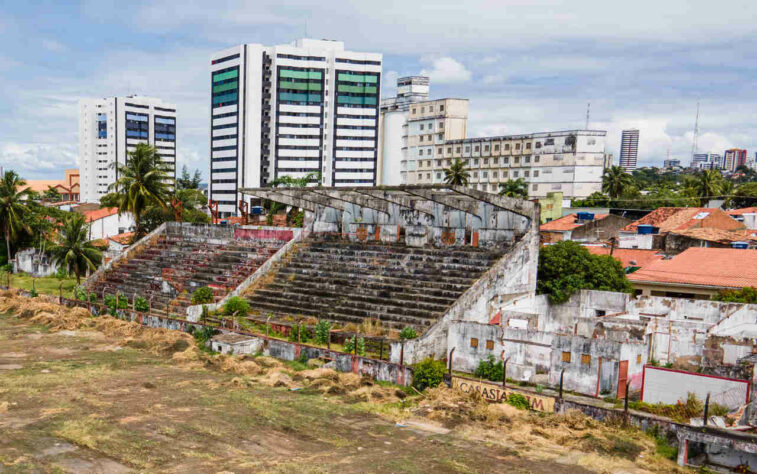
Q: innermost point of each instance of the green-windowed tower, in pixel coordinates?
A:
(306, 107)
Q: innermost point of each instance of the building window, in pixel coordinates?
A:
(484, 174)
(517, 146)
(475, 174)
(494, 174)
(486, 148)
(474, 342)
(528, 146)
(526, 173)
(449, 150)
(585, 359)
(430, 108)
(507, 146)
(428, 163)
(423, 110)
(420, 152)
(496, 147)
(592, 141)
(438, 176)
(486, 161)
(421, 126)
(515, 174)
(413, 112)
(467, 149)
(536, 159)
(527, 159)
(428, 175)
(566, 356)
(439, 150)
(504, 174)
(441, 108)
(476, 149)
(536, 173)
(475, 162)
(457, 150)
(490, 344)
(441, 125)
(438, 163)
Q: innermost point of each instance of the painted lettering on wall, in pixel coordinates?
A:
(495, 393)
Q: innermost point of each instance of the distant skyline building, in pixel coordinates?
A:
(289, 110)
(629, 149)
(733, 158)
(671, 163)
(707, 161)
(411, 125)
(111, 127)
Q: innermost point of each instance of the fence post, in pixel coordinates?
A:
(504, 373)
(402, 354)
(562, 373)
(706, 408)
(625, 403)
(60, 293)
(451, 352)
(328, 341)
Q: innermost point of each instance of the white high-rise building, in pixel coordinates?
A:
(110, 128)
(290, 110)
(629, 149)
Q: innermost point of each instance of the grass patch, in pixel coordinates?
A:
(45, 285)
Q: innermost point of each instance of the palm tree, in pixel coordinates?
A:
(456, 174)
(73, 249)
(615, 180)
(12, 207)
(514, 188)
(143, 183)
(708, 183)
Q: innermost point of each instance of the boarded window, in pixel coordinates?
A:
(473, 342)
(490, 344)
(566, 356)
(638, 359)
(585, 359)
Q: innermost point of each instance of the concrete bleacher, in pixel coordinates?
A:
(347, 282)
(174, 263)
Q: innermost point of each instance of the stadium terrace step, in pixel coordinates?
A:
(348, 283)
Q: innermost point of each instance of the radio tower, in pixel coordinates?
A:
(696, 132)
(588, 108)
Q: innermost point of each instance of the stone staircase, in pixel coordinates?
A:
(349, 282)
(168, 271)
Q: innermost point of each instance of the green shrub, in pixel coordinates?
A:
(518, 401)
(299, 333)
(92, 297)
(203, 335)
(662, 447)
(141, 304)
(408, 333)
(203, 295)
(490, 370)
(349, 346)
(236, 306)
(322, 330)
(61, 273)
(33, 293)
(428, 373)
(80, 293)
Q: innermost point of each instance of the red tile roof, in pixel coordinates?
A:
(725, 268)
(745, 210)
(123, 239)
(566, 223)
(627, 257)
(100, 213)
(669, 219)
(718, 235)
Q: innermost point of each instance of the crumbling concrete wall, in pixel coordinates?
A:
(511, 276)
(473, 342)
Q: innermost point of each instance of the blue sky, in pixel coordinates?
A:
(525, 65)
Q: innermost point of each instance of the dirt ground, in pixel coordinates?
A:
(101, 398)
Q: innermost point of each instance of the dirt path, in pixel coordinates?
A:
(75, 401)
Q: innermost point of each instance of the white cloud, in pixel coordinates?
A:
(446, 70)
(38, 160)
(53, 45)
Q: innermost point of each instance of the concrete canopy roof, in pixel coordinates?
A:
(415, 197)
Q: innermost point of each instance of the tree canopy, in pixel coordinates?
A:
(73, 250)
(615, 181)
(13, 209)
(457, 174)
(514, 188)
(567, 267)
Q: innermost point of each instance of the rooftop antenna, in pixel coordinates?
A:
(696, 132)
(588, 111)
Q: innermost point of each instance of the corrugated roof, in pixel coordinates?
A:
(567, 223)
(725, 268)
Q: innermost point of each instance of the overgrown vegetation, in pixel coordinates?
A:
(567, 267)
(490, 370)
(141, 304)
(408, 333)
(321, 332)
(349, 345)
(680, 412)
(236, 306)
(744, 295)
(203, 295)
(299, 332)
(662, 447)
(519, 401)
(428, 373)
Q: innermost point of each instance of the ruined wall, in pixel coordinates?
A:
(470, 341)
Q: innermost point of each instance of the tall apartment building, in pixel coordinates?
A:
(629, 149)
(733, 158)
(707, 161)
(289, 110)
(411, 125)
(110, 128)
(571, 162)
